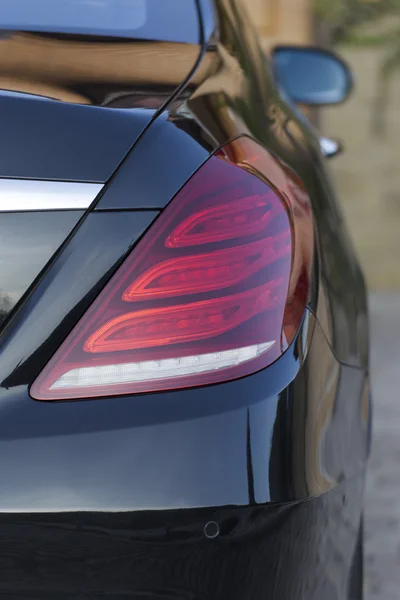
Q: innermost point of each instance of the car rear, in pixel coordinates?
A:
(171, 405)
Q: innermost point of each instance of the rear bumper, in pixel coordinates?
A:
(274, 552)
(112, 498)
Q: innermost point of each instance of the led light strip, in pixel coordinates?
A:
(21, 195)
(158, 369)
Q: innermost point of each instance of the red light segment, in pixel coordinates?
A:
(205, 272)
(182, 323)
(237, 219)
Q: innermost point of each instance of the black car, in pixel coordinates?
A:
(184, 396)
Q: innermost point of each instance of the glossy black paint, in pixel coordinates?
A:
(148, 178)
(129, 483)
(27, 243)
(260, 552)
(45, 139)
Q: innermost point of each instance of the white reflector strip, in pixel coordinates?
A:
(158, 369)
(31, 194)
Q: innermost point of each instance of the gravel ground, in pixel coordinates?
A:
(383, 483)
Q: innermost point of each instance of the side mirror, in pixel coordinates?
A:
(311, 76)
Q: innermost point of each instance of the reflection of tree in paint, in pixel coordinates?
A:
(340, 20)
(6, 305)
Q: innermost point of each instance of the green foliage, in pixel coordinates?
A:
(368, 23)
(344, 16)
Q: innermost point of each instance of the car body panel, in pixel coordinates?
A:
(269, 551)
(135, 185)
(46, 139)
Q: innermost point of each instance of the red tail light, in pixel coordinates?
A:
(215, 290)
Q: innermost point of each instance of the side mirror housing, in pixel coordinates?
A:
(311, 76)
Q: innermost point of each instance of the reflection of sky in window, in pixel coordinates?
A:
(27, 242)
(169, 20)
(114, 15)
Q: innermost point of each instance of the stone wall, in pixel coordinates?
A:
(367, 174)
(284, 21)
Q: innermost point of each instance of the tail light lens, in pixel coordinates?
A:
(215, 290)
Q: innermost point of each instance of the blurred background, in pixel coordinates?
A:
(366, 33)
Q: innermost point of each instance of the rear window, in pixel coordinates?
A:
(169, 20)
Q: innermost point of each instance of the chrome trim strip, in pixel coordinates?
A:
(31, 194)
